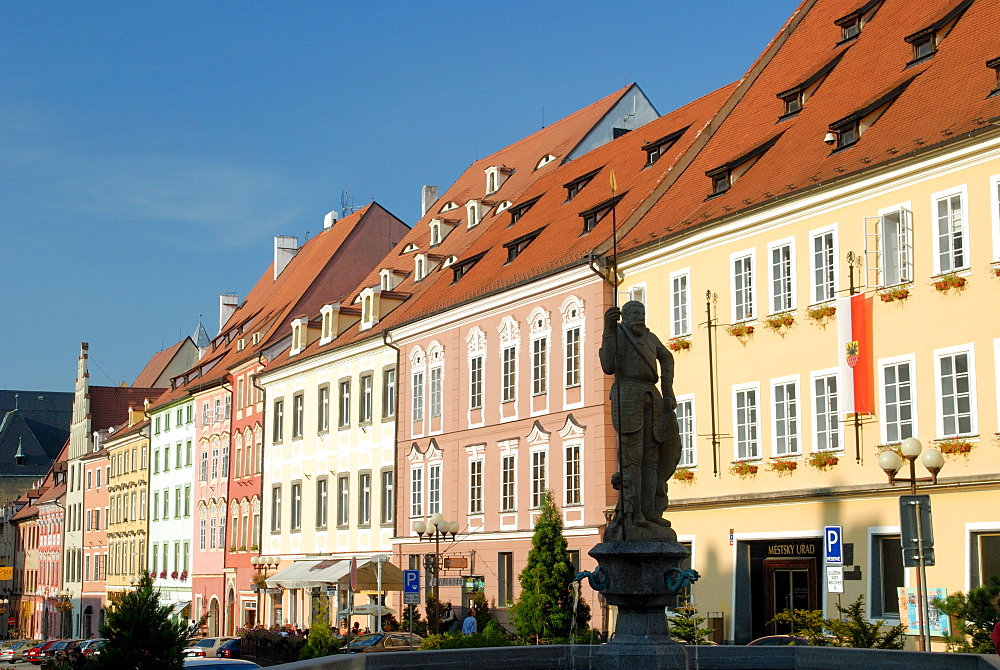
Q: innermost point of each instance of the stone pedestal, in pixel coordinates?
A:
(641, 579)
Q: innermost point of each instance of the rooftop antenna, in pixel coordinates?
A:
(543, 116)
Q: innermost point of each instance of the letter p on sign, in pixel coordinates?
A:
(833, 545)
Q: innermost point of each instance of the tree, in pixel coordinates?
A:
(140, 634)
(481, 610)
(685, 625)
(419, 625)
(544, 610)
(974, 614)
(853, 629)
(321, 641)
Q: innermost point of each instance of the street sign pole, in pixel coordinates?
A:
(925, 634)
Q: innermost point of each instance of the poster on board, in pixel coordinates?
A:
(939, 622)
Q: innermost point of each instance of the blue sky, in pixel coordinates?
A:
(149, 152)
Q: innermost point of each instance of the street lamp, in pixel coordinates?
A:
(263, 565)
(891, 462)
(435, 529)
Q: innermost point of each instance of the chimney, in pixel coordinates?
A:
(329, 220)
(228, 302)
(284, 250)
(428, 196)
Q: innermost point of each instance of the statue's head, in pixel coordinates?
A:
(634, 315)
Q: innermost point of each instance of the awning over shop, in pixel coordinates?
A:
(179, 607)
(308, 574)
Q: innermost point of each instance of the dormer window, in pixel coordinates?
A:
(545, 160)
(460, 268)
(516, 246)
(389, 279)
(366, 308)
(574, 187)
(657, 148)
(300, 335)
(240, 344)
(256, 338)
(724, 176)
(850, 128)
(473, 214)
(410, 248)
(496, 175)
(520, 210)
(327, 332)
(995, 66)
(503, 206)
(419, 267)
(440, 229)
(447, 207)
(795, 97)
(594, 215)
(851, 24)
(925, 42)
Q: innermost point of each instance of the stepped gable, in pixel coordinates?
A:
(521, 165)
(312, 278)
(562, 239)
(931, 102)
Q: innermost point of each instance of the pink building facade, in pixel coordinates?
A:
(213, 411)
(505, 401)
(54, 620)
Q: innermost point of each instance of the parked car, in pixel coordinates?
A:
(49, 652)
(19, 652)
(373, 642)
(219, 664)
(92, 646)
(231, 649)
(32, 655)
(8, 648)
(778, 641)
(206, 647)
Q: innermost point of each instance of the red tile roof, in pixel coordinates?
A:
(520, 160)
(157, 365)
(109, 404)
(945, 101)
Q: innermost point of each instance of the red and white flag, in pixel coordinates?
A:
(856, 379)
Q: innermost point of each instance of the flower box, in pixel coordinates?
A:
(679, 344)
(895, 293)
(163, 574)
(821, 313)
(782, 466)
(778, 321)
(821, 461)
(740, 330)
(954, 446)
(949, 281)
(743, 469)
(684, 475)
(184, 575)
(173, 575)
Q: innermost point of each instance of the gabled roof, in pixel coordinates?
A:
(520, 161)
(946, 99)
(325, 269)
(47, 415)
(182, 354)
(109, 405)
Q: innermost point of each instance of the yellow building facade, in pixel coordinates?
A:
(786, 461)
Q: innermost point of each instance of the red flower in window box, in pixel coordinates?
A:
(184, 574)
(163, 574)
(173, 575)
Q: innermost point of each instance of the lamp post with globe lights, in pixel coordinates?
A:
(262, 564)
(891, 462)
(436, 529)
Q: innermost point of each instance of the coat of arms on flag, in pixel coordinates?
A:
(852, 353)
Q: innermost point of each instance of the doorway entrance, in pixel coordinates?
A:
(788, 584)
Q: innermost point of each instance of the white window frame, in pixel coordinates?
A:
(834, 415)
(476, 470)
(637, 292)
(779, 301)
(573, 490)
(434, 486)
(963, 194)
(689, 451)
(995, 214)
(539, 482)
(754, 444)
(417, 398)
(508, 373)
(874, 533)
(820, 233)
(749, 312)
(436, 389)
(793, 424)
(573, 319)
(343, 499)
(476, 373)
(680, 303)
(969, 350)
(540, 365)
(883, 363)
(904, 237)
(416, 492)
(512, 455)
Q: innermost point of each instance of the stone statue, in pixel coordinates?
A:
(649, 438)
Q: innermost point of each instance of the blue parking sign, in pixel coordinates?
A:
(411, 581)
(834, 545)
